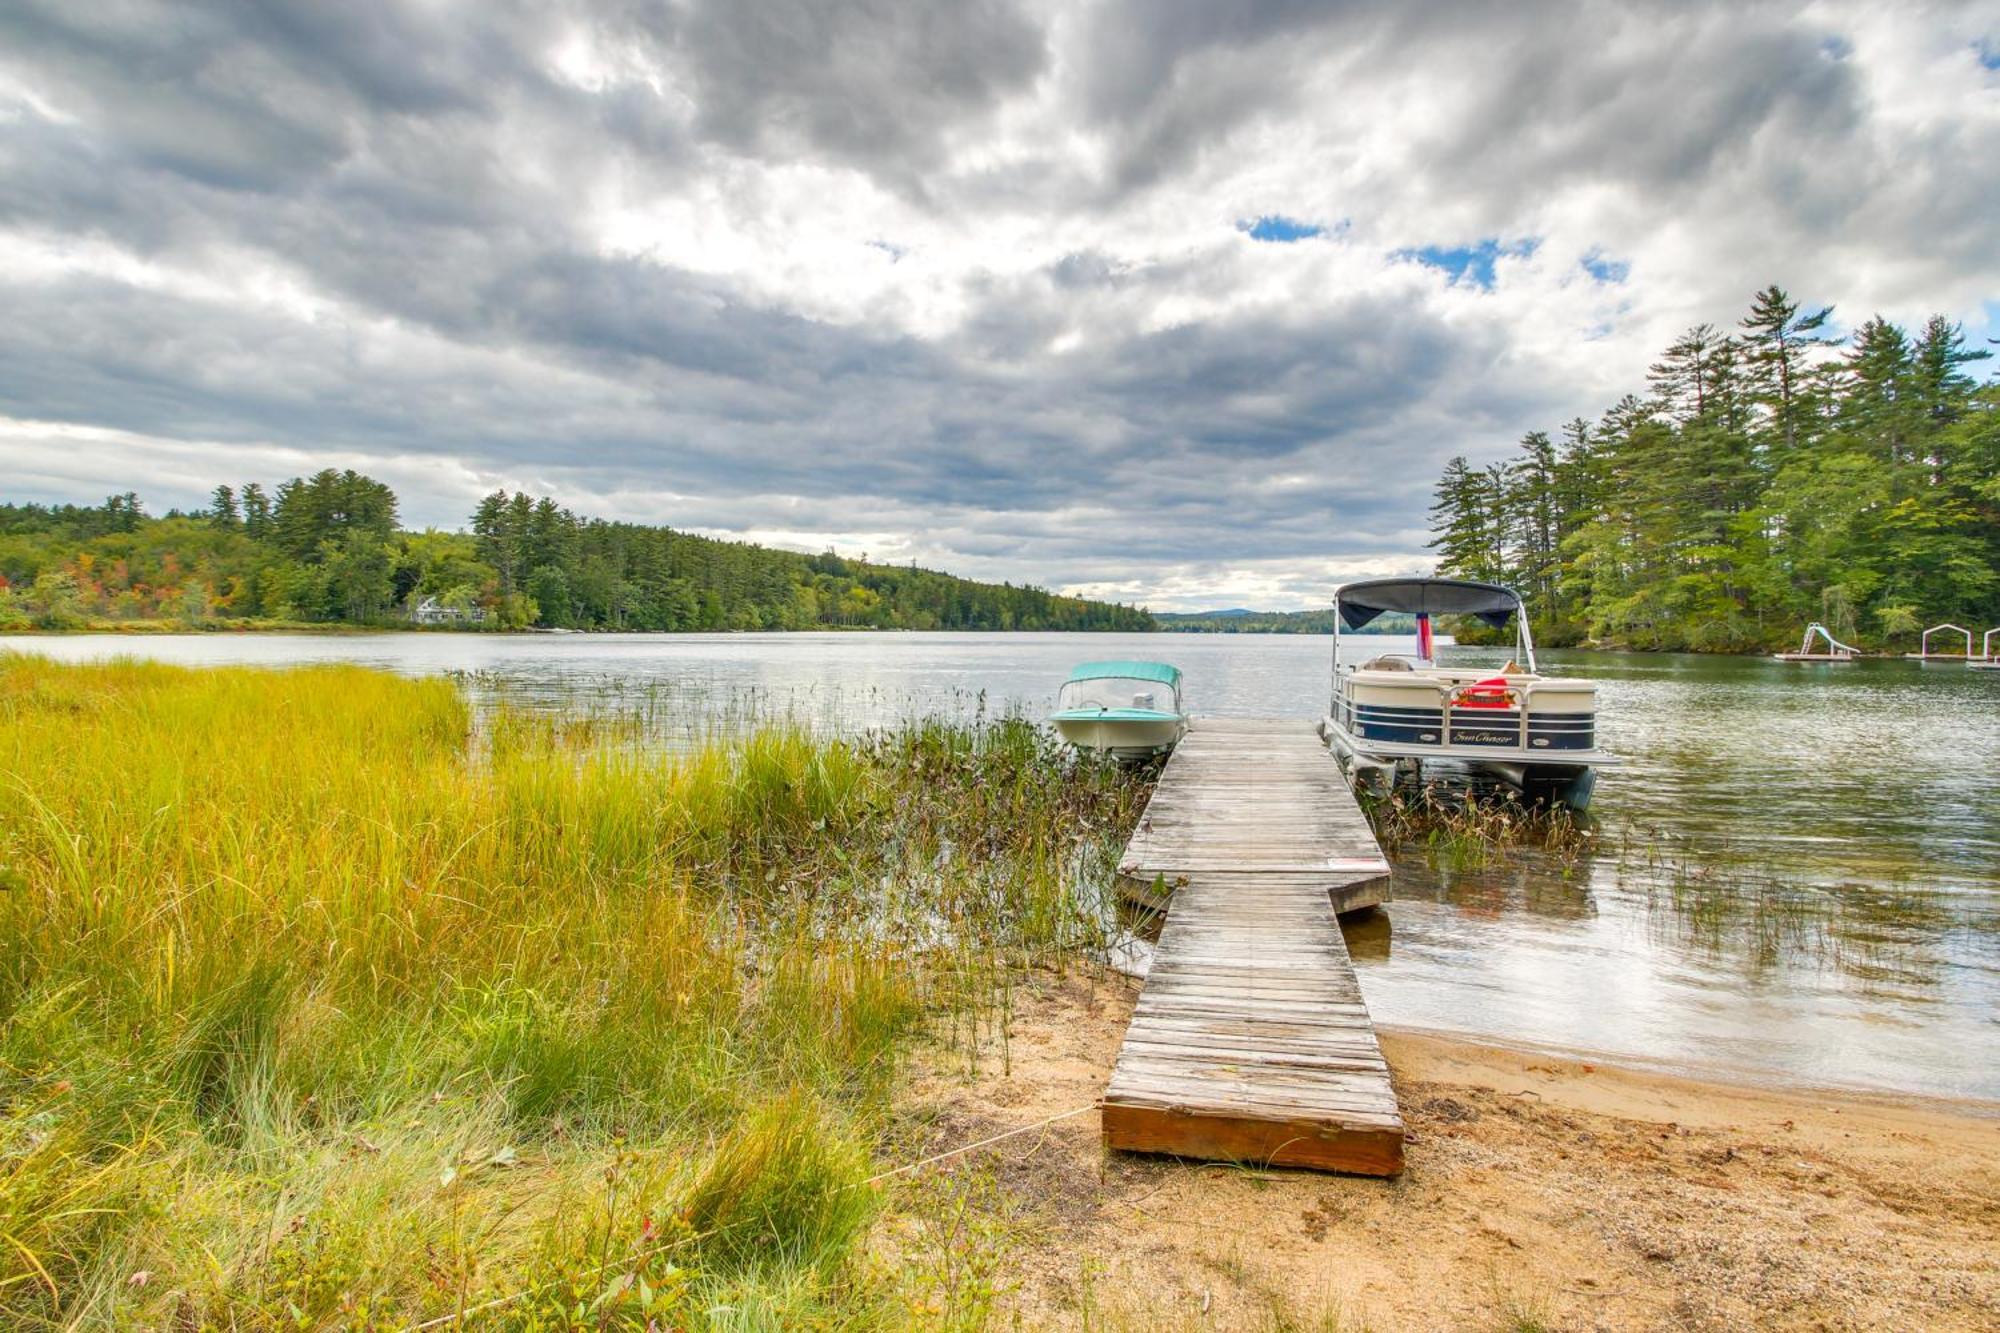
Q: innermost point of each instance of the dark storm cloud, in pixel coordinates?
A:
(1674, 91)
(1651, 95)
(375, 228)
(865, 81)
(1169, 77)
(386, 150)
(258, 97)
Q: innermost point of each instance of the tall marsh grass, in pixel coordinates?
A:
(320, 1009)
(1455, 827)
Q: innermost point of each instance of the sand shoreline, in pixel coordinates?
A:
(1718, 1079)
(1541, 1191)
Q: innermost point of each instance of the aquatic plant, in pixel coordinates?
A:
(329, 1000)
(1726, 902)
(1457, 827)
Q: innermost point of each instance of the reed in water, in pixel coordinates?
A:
(1457, 827)
(321, 1005)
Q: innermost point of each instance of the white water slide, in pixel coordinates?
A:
(1836, 651)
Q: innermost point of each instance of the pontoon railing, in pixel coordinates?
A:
(1453, 717)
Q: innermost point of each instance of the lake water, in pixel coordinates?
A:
(1796, 874)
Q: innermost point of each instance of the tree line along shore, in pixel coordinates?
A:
(1769, 476)
(327, 550)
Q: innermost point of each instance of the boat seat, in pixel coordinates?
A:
(1386, 664)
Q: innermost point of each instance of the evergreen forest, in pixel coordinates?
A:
(328, 549)
(1768, 476)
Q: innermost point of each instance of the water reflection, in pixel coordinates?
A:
(1522, 882)
(1795, 873)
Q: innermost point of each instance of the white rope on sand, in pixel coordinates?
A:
(955, 1152)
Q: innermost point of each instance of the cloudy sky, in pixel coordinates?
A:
(1174, 301)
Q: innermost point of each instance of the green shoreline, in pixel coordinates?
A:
(155, 628)
(143, 628)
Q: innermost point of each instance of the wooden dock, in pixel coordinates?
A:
(1250, 1041)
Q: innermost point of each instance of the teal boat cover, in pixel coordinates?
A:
(1113, 715)
(1159, 671)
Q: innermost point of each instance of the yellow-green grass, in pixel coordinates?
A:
(322, 1006)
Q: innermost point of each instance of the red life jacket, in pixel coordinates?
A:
(1493, 692)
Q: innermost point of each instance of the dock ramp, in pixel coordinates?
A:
(1250, 1041)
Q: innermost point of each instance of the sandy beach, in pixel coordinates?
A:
(1540, 1192)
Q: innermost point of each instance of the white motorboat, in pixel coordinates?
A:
(1131, 710)
(1398, 713)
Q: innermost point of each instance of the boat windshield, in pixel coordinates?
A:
(1110, 692)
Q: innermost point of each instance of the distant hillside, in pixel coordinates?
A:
(328, 549)
(1239, 621)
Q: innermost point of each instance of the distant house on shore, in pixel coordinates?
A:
(430, 611)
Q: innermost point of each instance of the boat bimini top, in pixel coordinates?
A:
(1359, 603)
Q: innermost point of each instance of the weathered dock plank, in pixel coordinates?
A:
(1256, 795)
(1250, 1041)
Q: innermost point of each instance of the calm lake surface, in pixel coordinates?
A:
(1795, 876)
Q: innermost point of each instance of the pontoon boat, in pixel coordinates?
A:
(1398, 713)
(1128, 709)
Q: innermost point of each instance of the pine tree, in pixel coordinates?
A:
(1941, 391)
(1462, 517)
(1576, 476)
(1687, 380)
(493, 533)
(1532, 498)
(1727, 405)
(1941, 386)
(313, 514)
(256, 510)
(1877, 408)
(122, 513)
(222, 511)
(1777, 340)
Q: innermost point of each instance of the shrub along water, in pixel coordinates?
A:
(322, 1006)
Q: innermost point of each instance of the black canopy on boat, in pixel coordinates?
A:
(1361, 602)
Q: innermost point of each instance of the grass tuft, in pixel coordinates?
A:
(784, 1189)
